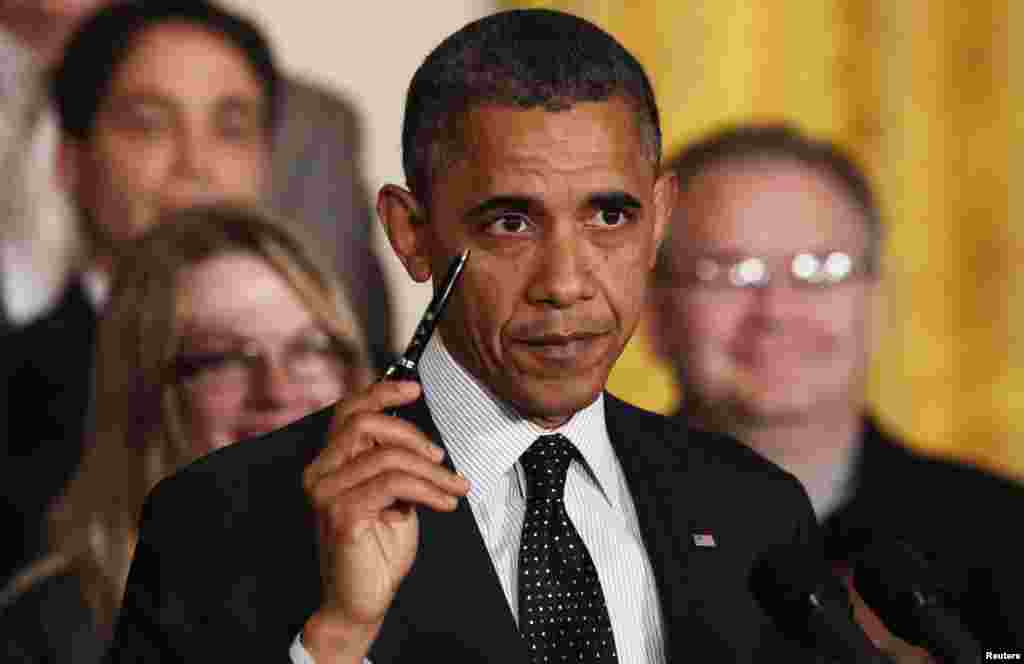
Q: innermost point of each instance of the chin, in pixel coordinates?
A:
(779, 409)
(556, 400)
(761, 416)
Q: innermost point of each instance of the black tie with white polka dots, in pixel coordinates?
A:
(562, 613)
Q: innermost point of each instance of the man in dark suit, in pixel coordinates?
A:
(764, 307)
(510, 486)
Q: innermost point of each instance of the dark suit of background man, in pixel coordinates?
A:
(767, 284)
(532, 139)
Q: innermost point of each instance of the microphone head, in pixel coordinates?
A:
(897, 582)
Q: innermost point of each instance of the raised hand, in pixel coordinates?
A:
(364, 487)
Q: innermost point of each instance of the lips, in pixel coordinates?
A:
(576, 350)
(558, 339)
(254, 429)
(790, 350)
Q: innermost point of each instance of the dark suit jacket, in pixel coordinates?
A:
(962, 518)
(227, 560)
(47, 374)
(50, 624)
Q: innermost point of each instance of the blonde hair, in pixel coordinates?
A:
(137, 434)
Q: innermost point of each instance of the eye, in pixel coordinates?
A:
(509, 224)
(237, 125)
(193, 365)
(313, 344)
(613, 217)
(145, 119)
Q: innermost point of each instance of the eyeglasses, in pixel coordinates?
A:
(310, 359)
(806, 270)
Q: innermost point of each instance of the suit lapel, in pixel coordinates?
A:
(451, 603)
(660, 488)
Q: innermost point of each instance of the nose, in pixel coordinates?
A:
(193, 172)
(563, 274)
(776, 303)
(275, 388)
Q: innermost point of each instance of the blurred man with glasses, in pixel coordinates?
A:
(764, 305)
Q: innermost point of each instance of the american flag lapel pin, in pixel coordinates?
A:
(704, 539)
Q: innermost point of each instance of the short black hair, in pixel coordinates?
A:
(784, 141)
(524, 58)
(103, 41)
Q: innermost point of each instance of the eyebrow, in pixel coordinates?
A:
(216, 333)
(522, 204)
(233, 103)
(121, 102)
(614, 199)
(228, 104)
(513, 203)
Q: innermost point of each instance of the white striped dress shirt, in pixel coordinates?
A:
(485, 438)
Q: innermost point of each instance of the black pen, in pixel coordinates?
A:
(406, 367)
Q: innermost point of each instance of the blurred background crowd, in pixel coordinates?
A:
(189, 255)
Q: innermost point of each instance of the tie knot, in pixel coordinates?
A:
(546, 463)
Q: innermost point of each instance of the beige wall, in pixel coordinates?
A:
(368, 52)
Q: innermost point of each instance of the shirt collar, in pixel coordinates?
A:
(485, 436)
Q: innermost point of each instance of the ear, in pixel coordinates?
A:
(405, 223)
(666, 190)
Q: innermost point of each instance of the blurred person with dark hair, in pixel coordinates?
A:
(223, 324)
(505, 507)
(764, 304)
(161, 105)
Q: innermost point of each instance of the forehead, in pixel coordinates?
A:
(240, 292)
(769, 205)
(178, 58)
(504, 146)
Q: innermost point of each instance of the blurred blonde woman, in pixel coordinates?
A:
(223, 324)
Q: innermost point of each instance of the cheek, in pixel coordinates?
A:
(494, 296)
(137, 166)
(707, 326)
(212, 421)
(838, 327)
(241, 171)
(325, 394)
(117, 187)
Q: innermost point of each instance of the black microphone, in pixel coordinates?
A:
(810, 605)
(899, 586)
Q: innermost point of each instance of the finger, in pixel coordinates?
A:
(370, 501)
(363, 432)
(381, 461)
(379, 397)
